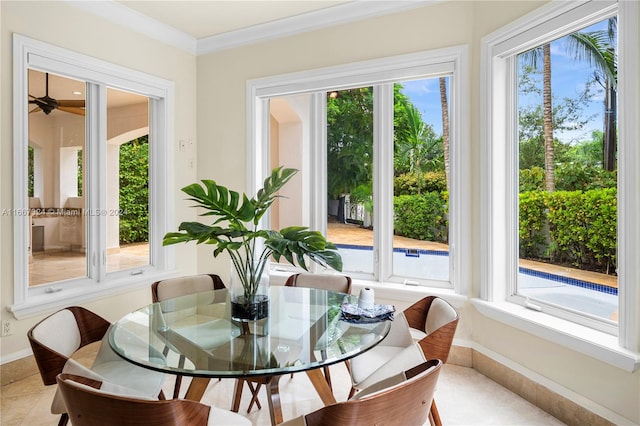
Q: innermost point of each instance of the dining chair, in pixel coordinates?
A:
(57, 337)
(92, 402)
(182, 286)
(401, 399)
(338, 283)
(423, 331)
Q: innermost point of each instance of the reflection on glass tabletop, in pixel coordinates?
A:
(195, 335)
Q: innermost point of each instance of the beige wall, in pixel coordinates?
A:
(224, 74)
(62, 25)
(218, 109)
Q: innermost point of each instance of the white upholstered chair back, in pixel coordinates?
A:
(59, 332)
(440, 313)
(339, 283)
(174, 287)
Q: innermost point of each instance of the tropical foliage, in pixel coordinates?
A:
(575, 228)
(134, 191)
(547, 164)
(235, 230)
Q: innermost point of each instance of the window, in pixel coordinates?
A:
(348, 130)
(81, 162)
(510, 146)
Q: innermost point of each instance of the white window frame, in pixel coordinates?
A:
(33, 54)
(380, 73)
(499, 261)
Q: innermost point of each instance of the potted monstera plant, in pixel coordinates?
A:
(235, 230)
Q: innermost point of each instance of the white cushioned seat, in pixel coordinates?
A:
(110, 367)
(412, 355)
(396, 350)
(74, 367)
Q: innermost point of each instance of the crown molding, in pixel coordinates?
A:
(138, 22)
(324, 18)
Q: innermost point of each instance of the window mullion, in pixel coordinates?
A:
(318, 163)
(383, 180)
(96, 187)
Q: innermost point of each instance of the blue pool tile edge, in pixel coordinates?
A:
(570, 281)
(545, 275)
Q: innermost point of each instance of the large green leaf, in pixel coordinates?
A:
(296, 244)
(221, 202)
(266, 196)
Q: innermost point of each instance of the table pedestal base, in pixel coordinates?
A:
(199, 385)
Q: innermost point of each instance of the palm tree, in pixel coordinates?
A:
(445, 125)
(417, 143)
(533, 57)
(598, 49)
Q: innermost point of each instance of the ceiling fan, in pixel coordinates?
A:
(47, 104)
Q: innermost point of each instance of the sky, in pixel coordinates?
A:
(568, 80)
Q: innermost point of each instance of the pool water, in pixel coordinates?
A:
(582, 296)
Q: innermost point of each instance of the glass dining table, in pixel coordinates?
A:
(195, 336)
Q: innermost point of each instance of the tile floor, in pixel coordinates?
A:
(464, 397)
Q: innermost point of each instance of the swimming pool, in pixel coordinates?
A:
(583, 296)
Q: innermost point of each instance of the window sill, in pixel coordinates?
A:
(596, 344)
(70, 294)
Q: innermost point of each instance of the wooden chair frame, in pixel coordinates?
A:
(50, 362)
(403, 404)
(435, 345)
(87, 408)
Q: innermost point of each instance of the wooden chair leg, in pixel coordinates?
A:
(327, 377)
(434, 413)
(176, 387)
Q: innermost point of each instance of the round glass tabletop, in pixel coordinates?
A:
(194, 335)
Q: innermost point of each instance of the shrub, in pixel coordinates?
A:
(576, 177)
(569, 177)
(582, 227)
(422, 217)
(418, 183)
(134, 191)
(533, 223)
(532, 179)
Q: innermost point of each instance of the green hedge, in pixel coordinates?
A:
(564, 227)
(134, 191)
(570, 227)
(569, 177)
(415, 183)
(533, 224)
(422, 217)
